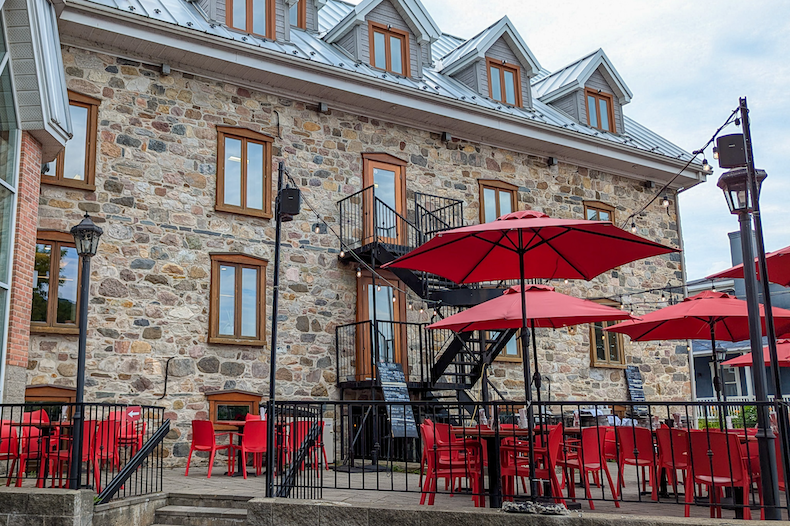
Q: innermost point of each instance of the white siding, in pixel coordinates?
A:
(499, 50)
(311, 18)
(569, 104)
(385, 13)
(598, 82)
(348, 42)
(470, 77)
(280, 19)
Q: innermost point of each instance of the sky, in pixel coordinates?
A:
(687, 63)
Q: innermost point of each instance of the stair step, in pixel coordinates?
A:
(200, 516)
(208, 500)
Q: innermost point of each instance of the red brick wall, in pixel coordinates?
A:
(24, 251)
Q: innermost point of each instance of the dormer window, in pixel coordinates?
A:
(504, 82)
(600, 110)
(389, 48)
(297, 14)
(252, 16)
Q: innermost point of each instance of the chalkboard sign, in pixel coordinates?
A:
(393, 384)
(635, 387)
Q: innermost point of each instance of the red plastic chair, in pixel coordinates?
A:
(515, 462)
(589, 458)
(253, 440)
(60, 457)
(447, 462)
(105, 448)
(636, 449)
(9, 447)
(205, 439)
(673, 453)
(34, 445)
(249, 417)
(297, 434)
(131, 433)
(717, 462)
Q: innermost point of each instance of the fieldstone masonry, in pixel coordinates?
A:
(155, 196)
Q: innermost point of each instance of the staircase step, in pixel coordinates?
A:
(208, 500)
(200, 516)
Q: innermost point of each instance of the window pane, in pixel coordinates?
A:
(600, 342)
(41, 282)
(496, 89)
(603, 215)
(379, 51)
(293, 14)
(730, 378)
(67, 285)
(6, 214)
(396, 55)
(489, 204)
(591, 115)
(255, 176)
(592, 214)
(505, 202)
(381, 301)
(232, 186)
(74, 156)
(240, 14)
(614, 346)
(8, 128)
(232, 412)
(510, 87)
(227, 300)
(259, 17)
(249, 302)
(511, 349)
(604, 114)
(386, 204)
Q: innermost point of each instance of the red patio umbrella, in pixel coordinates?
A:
(745, 360)
(778, 263)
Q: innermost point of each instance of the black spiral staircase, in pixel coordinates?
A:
(435, 361)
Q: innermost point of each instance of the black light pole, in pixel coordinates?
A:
(737, 187)
(86, 239)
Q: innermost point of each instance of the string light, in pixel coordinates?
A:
(566, 281)
(411, 306)
(378, 288)
(359, 272)
(665, 202)
(715, 152)
(421, 309)
(705, 166)
(393, 298)
(633, 227)
(342, 254)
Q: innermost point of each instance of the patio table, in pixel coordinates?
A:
(238, 427)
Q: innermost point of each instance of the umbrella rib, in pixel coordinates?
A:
(493, 246)
(639, 240)
(561, 256)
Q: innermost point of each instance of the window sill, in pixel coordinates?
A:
(41, 329)
(605, 365)
(510, 359)
(236, 341)
(263, 214)
(77, 185)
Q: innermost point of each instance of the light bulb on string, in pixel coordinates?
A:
(566, 281)
(342, 254)
(378, 288)
(359, 273)
(633, 227)
(706, 167)
(715, 152)
(422, 309)
(665, 202)
(411, 306)
(393, 298)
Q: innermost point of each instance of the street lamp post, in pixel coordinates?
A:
(738, 190)
(86, 239)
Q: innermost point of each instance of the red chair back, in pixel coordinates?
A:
(724, 462)
(673, 447)
(9, 441)
(249, 417)
(636, 444)
(593, 441)
(36, 417)
(203, 433)
(254, 436)
(105, 443)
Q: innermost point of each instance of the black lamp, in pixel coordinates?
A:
(86, 236)
(736, 190)
(721, 354)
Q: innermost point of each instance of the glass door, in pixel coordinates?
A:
(381, 333)
(386, 204)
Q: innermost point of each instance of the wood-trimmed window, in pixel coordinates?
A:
(389, 49)
(244, 172)
(237, 304)
(297, 14)
(232, 405)
(383, 207)
(606, 348)
(504, 82)
(600, 110)
(75, 165)
(511, 352)
(497, 198)
(56, 284)
(598, 211)
(256, 17)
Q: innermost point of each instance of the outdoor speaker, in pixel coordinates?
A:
(290, 202)
(731, 153)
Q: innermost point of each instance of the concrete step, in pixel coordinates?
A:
(200, 516)
(208, 500)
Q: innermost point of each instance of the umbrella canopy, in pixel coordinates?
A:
(745, 360)
(545, 308)
(693, 318)
(529, 244)
(778, 264)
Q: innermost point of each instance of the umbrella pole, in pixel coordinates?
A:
(716, 375)
(533, 486)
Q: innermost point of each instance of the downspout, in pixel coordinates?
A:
(685, 293)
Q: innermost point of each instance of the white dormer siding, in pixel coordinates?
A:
(598, 82)
(349, 43)
(571, 105)
(501, 51)
(214, 10)
(385, 13)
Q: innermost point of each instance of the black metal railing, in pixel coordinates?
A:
(301, 458)
(433, 213)
(628, 454)
(36, 445)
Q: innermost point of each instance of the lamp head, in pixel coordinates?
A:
(86, 236)
(736, 189)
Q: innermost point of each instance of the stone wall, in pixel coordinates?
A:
(155, 195)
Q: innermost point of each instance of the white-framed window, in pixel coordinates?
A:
(731, 384)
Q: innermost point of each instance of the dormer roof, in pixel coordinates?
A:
(476, 47)
(412, 11)
(574, 76)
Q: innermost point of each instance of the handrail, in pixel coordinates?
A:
(289, 480)
(137, 460)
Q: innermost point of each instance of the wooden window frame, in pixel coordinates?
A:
(56, 239)
(598, 206)
(385, 161)
(301, 14)
(496, 185)
(92, 105)
(596, 94)
(270, 18)
(608, 364)
(503, 357)
(390, 32)
(232, 397)
(239, 261)
(245, 136)
(515, 69)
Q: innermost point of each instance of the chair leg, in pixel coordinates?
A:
(22, 465)
(612, 487)
(189, 459)
(688, 498)
(243, 466)
(211, 461)
(587, 493)
(425, 488)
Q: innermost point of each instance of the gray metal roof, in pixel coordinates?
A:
(444, 45)
(305, 45)
(561, 77)
(466, 46)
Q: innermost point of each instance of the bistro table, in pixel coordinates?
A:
(236, 426)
